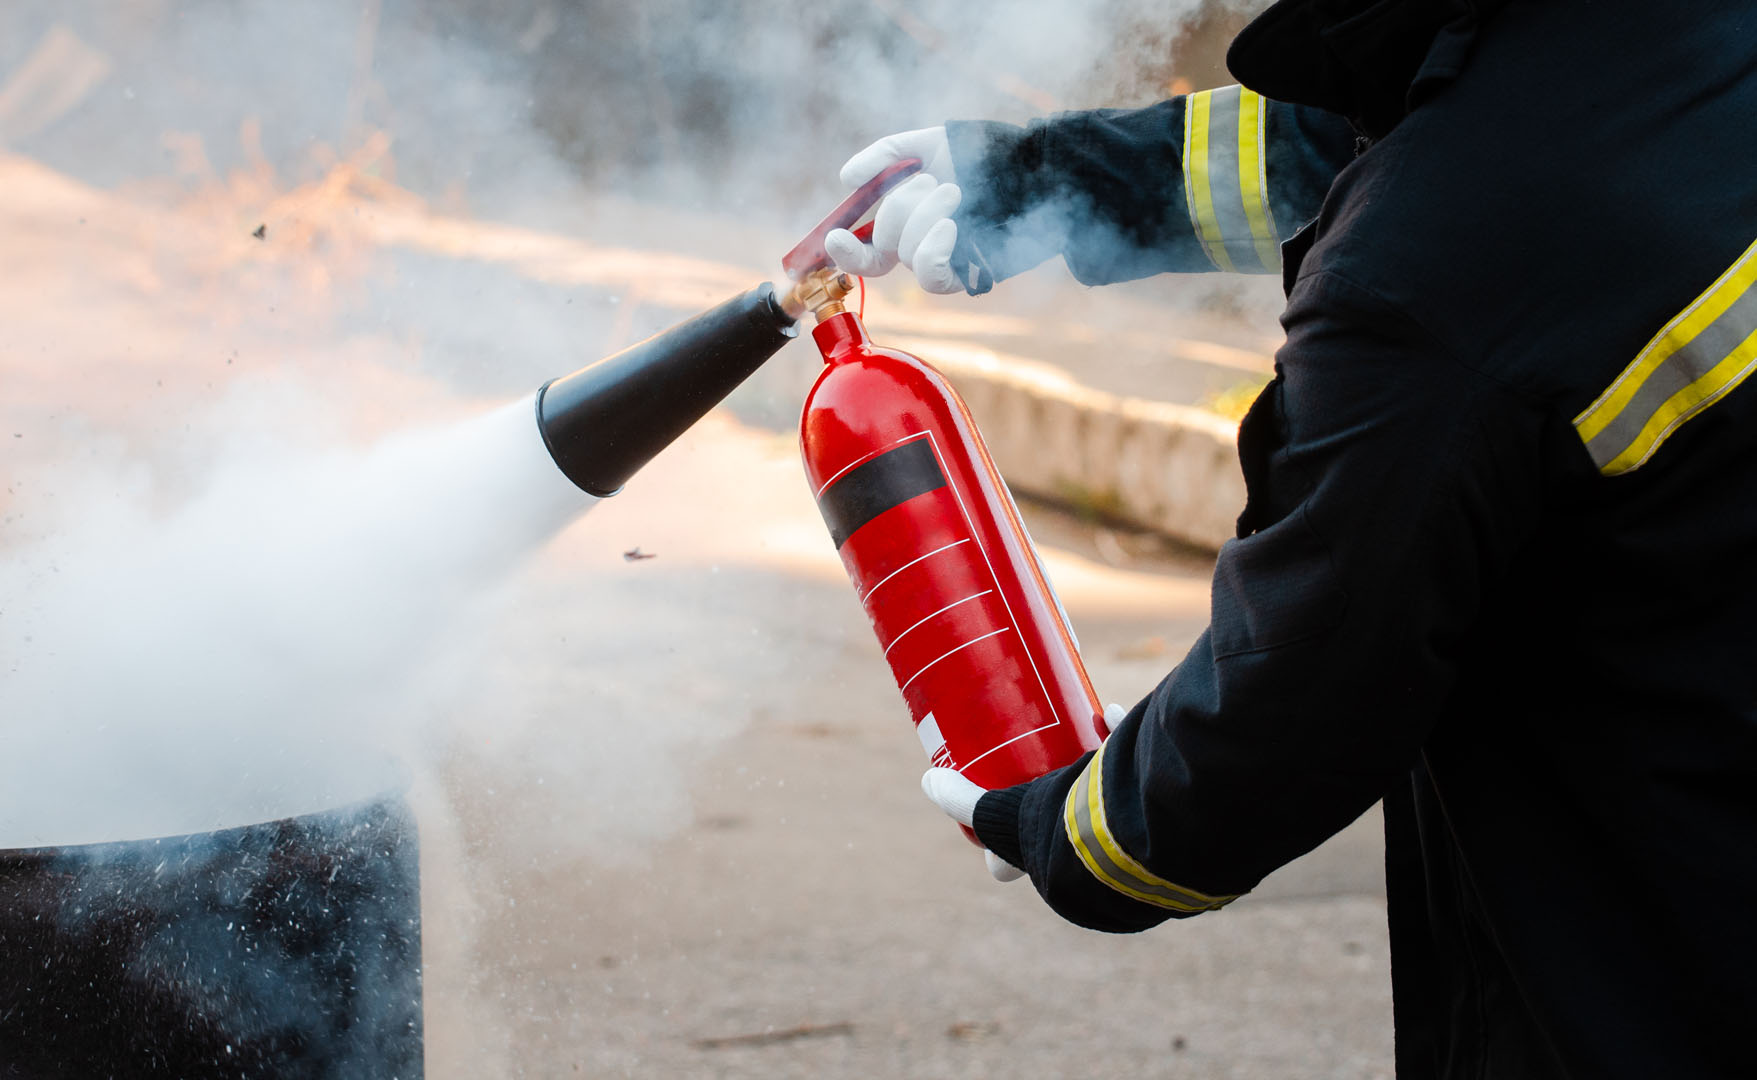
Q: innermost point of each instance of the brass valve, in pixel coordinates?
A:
(820, 292)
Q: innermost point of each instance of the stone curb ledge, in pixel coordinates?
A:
(1158, 465)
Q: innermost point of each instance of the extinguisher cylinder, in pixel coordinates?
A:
(949, 578)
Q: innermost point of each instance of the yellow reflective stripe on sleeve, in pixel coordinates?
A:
(1696, 359)
(1253, 177)
(1196, 185)
(1225, 179)
(1084, 820)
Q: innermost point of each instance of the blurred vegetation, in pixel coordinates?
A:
(1092, 505)
(1236, 400)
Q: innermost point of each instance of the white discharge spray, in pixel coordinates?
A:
(244, 656)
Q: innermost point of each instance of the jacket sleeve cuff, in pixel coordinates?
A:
(1103, 188)
(996, 823)
(1002, 171)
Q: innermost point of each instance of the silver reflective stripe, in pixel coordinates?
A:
(1098, 850)
(1691, 362)
(1695, 360)
(1223, 173)
(1225, 181)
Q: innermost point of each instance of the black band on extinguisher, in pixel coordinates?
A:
(890, 479)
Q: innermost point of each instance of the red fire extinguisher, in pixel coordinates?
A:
(934, 545)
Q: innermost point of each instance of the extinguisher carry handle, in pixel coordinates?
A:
(809, 254)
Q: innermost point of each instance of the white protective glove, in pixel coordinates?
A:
(914, 223)
(957, 796)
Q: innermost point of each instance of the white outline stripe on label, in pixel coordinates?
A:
(941, 611)
(1009, 742)
(960, 648)
(992, 576)
(862, 461)
(910, 563)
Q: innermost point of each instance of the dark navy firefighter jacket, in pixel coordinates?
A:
(1498, 565)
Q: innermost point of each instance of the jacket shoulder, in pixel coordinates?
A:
(1540, 219)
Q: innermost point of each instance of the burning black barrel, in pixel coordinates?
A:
(285, 949)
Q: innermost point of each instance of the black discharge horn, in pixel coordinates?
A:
(605, 421)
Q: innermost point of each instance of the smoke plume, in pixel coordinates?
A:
(245, 654)
(208, 609)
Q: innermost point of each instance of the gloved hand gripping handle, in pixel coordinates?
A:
(809, 255)
(604, 422)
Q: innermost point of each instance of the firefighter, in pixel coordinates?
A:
(1496, 566)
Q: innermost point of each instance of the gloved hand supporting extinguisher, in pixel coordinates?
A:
(957, 796)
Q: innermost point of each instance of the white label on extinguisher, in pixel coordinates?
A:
(933, 742)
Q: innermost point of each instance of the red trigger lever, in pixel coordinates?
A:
(809, 255)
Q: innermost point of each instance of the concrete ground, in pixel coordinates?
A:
(682, 833)
(815, 916)
(807, 912)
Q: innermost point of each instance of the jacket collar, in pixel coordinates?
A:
(1369, 60)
